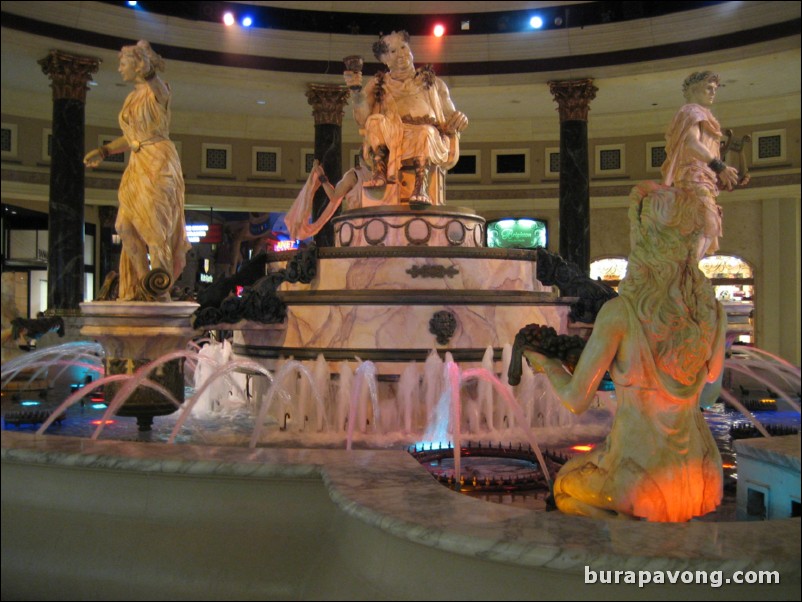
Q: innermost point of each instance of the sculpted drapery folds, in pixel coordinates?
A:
(407, 117)
(693, 163)
(150, 220)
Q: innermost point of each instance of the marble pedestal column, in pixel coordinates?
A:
(328, 102)
(69, 75)
(133, 334)
(573, 99)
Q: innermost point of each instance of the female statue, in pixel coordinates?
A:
(662, 340)
(150, 219)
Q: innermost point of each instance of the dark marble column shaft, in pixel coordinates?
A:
(573, 100)
(69, 75)
(328, 102)
(574, 194)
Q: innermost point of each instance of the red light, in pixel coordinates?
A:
(96, 422)
(439, 30)
(582, 448)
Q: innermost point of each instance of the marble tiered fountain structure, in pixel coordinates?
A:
(115, 519)
(399, 283)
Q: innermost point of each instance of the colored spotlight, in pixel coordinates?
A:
(439, 30)
(228, 19)
(131, 3)
(535, 22)
(246, 21)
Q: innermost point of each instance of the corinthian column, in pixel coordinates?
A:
(69, 76)
(328, 106)
(573, 100)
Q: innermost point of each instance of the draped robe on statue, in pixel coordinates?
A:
(151, 190)
(691, 175)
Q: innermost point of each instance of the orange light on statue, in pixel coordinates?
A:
(439, 30)
(582, 448)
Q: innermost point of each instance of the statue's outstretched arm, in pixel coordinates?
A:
(576, 391)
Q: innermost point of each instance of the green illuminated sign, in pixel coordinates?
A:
(517, 234)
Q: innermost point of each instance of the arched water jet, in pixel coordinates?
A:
(221, 372)
(789, 374)
(514, 408)
(289, 367)
(408, 388)
(432, 384)
(343, 397)
(77, 354)
(365, 372)
(140, 378)
(484, 393)
(322, 383)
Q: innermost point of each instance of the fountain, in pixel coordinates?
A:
(142, 520)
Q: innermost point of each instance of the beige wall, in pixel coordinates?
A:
(761, 223)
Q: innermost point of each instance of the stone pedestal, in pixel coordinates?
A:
(404, 226)
(133, 334)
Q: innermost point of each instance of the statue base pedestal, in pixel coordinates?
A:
(134, 334)
(405, 226)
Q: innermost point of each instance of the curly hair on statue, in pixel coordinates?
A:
(380, 47)
(673, 299)
(143, 52)
(698, 77)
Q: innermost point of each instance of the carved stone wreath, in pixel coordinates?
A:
(443, 325)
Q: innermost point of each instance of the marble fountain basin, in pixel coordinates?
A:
(112, 519)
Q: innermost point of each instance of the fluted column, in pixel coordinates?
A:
(573, 100)
(69, 75)
(328, 106)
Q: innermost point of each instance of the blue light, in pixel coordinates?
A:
(29, 402)
(535, 22)
(98, 406)
(246, 21)
(131, 3)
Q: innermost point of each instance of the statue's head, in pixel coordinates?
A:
(698, 85)
(142, 58)
(393, 49)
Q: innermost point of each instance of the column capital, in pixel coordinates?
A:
(328, 102)
(573, 98)
(69, 74)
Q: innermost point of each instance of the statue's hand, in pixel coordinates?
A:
(457, 122)
(93, 158)
(317, 170)
(353, 79)
(729, 178)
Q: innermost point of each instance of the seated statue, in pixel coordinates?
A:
(407, 117)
